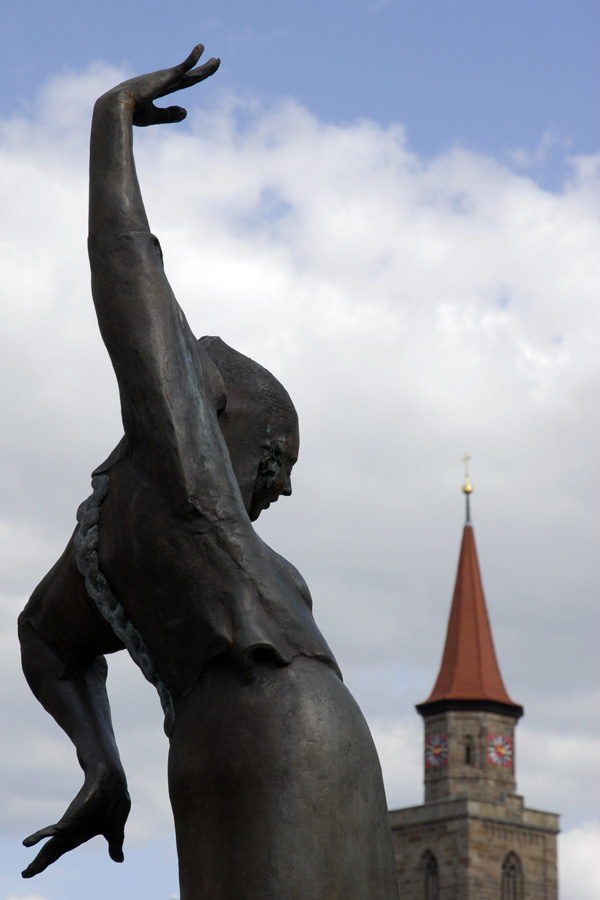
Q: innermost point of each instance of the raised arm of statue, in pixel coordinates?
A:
(116, 205)
(160, 377)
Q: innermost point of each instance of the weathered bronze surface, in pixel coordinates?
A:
(273, 777)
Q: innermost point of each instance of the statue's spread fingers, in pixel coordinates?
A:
(168, 115)
(188, 79)
(148, 114)
(204, 71)
(48, 831)
(192, 59)
(49, 853)
(165, 81)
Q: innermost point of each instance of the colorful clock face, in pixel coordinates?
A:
(436, 751)
(500, 750)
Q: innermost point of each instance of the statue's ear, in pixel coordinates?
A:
(270, 466)
(221, 403)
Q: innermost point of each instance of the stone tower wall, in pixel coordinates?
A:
(470, 849)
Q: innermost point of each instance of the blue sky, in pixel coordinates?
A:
(394, 207)
(495, 76)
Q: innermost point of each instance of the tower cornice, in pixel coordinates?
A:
(436, 707)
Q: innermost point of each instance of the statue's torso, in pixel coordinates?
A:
(196, 589)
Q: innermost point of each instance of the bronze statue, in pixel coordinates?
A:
(274, 781)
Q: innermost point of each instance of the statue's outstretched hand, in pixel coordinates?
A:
(101, 807)
(142, 91)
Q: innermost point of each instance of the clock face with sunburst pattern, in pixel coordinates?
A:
(500, 750)
(436, 751)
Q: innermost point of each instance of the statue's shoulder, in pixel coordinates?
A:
(120, 452)
(292, 574)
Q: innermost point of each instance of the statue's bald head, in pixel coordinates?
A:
(250, 389)
(259, 423)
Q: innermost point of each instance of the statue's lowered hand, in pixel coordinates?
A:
(101, 807)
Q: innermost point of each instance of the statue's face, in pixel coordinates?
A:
(261, 432)
(273, 480)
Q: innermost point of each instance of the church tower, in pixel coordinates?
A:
(472, 839)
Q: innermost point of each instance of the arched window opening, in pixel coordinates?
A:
(430, 879)
(469, 751)
(512, 878)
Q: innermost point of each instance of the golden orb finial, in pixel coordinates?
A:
(467, 486)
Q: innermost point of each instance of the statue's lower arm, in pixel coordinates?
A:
(75, 696)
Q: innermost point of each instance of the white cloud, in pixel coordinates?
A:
(414, 310)
(401, 755)
(28, 897)
(557, 765)
(550, 142)
(579, 850)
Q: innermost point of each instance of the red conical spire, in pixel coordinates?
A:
(469, 672)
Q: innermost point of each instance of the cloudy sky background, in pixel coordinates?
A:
(396, 208)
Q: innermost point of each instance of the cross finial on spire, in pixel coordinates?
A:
(467, 486)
